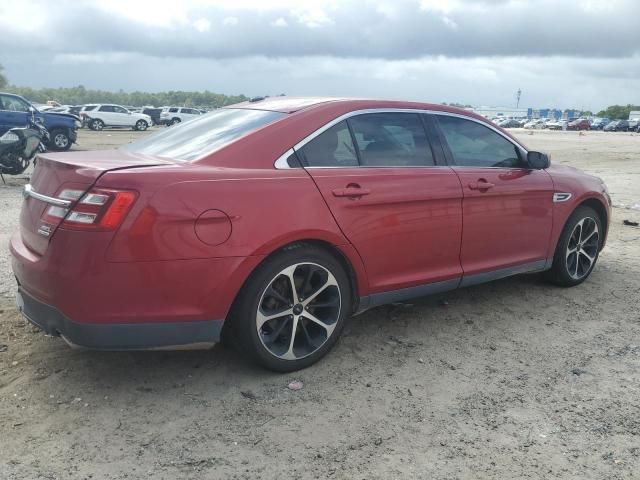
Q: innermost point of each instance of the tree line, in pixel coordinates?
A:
(618, 112)
(80, 95)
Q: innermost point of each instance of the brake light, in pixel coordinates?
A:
(98, 209)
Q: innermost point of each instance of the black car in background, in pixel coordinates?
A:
(154, 113)
(617, 126)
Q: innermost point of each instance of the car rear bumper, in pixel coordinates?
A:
(136, 336)
(72, 291)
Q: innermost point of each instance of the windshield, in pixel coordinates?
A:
(204, 134)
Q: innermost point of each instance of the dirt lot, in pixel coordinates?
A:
(513, 379)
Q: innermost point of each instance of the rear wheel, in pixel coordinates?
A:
(96, 124)
(292, 310)
(578, 248)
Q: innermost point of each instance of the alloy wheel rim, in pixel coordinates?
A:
(582, 248)
(298, 311)
(61, 140)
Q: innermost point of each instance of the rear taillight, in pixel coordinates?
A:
(98, 209)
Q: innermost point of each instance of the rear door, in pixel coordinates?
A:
(392, 198)
(106, 115)
(507, 207)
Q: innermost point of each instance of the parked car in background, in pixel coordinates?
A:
(617, 126)
(173, 115)
(510, 124)
(165, 242)
(99, 116)
(16, 111)
(579, 124)
(73, 110)
(599, 123)
(557, 125)
(633, 124)
(154, 113)
(537, 124)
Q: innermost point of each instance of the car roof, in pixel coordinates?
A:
(296, 104)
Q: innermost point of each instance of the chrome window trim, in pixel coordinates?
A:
(280, 165)
(58, 202)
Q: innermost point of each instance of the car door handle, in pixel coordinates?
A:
(481, 184)
(351, 192)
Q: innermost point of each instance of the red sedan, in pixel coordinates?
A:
(271, 222)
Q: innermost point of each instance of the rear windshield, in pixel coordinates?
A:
(204, 134)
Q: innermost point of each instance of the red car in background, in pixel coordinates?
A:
(271, 222)
(580, 124)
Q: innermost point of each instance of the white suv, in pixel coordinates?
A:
(97, 117)
(172, 115)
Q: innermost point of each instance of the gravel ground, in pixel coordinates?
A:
(512, 379)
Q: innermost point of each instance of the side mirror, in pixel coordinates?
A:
(32, 109)
(538, 160)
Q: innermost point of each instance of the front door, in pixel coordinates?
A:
(401, 211)
(14, 112)
(507, 207)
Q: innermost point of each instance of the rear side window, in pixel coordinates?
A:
(106, 108)
(474, 145)
(391, 140)
(332, 148)
(203, 135)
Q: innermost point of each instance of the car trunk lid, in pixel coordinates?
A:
(77, 171)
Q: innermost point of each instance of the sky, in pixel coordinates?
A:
(559, 53)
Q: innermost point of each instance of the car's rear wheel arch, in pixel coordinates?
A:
(300, 244)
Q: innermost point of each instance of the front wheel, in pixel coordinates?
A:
(293, 308)
(141, 125)
(60, 141)
(578, 248)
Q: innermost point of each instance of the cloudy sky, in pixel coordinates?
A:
(561, 53)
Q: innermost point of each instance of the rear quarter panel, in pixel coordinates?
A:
(267, 209)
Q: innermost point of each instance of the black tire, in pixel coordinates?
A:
(96, 124)
(141, 125)
(59, 140)
(561, 270)
(174, 121)
(243, 328)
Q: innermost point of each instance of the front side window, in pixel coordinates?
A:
(173, 110)
(205, 134)
(13, 104)
(391, 140)
(120, 109)
(332, 148)
(89, 108)
(474, 145)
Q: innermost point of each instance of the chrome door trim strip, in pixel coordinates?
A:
(366, 111)
(58, 202)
